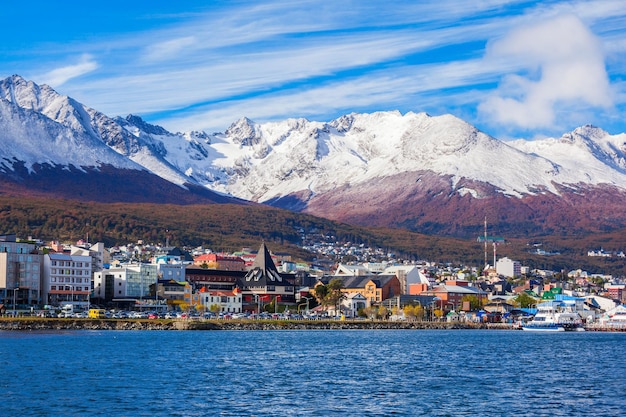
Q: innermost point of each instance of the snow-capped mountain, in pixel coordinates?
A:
(436, 174)
(51, 135)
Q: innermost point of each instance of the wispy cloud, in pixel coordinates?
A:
(60, 76)
(204, 67)
(169, 49)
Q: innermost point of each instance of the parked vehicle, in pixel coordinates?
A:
(97, 313)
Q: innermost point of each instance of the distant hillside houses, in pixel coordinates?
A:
(604, 254)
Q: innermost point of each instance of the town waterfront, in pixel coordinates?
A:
(312, 372)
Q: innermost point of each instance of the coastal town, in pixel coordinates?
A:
(145, 281)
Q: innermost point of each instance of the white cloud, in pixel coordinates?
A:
(61, 75)
(168, 49)
(559, 64)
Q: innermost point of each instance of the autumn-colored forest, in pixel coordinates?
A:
(228, 227)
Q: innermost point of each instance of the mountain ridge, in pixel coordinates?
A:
(416, 171)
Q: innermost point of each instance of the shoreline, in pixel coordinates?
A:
(51, 324)
(33, 324)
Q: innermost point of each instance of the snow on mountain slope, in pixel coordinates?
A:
(262, 162)
(269, 161)
(588, 155)
(265, 162)
(32, 138)
(87, 132)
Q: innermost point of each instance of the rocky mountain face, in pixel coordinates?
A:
(430, 174)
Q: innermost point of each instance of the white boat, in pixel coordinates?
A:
(555, 316)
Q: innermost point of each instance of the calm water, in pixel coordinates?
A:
(314, 373)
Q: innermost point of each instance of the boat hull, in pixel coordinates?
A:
(543, 329)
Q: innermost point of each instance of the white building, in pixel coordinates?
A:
(508, 268)
(66, 279)
(99, 255)
(352, 303)
(408, 275)
(344, 270)
(137, 281)
(228, 301)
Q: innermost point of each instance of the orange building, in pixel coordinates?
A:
(375, 288)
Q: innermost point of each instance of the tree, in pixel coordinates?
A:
(409, 312)
(475, 302)
(215, 308)
(370, 312)
(320, 293)
(334, 294)
(524, 300)
(419, 312)
(382, 312)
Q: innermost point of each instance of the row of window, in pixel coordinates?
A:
(220, 299)
(68, 279)
(71, 263)
(69, 271)
(68, 288)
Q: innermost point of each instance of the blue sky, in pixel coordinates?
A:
(512, 68)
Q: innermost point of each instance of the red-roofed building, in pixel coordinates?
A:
(219, 261)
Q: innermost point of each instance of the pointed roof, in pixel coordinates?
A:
(263, 259)
(263, 269)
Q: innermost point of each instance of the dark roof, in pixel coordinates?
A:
(359, 281)
(8, 238)
(263, 271)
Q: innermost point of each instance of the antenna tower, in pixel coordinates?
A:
(494, 240)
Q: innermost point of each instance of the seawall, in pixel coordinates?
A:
(33, 324)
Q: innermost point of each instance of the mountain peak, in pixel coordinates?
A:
(145, 126)
(589, 131)
(244, 132)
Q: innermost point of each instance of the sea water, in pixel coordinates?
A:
(312, 373)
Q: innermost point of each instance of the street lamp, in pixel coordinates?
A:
(258, 304)
(14, 294)
(307, 304)
(434, 304)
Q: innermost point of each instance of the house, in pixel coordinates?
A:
(173, 255)
(352, 303)
(375, 288)
(450, 297)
